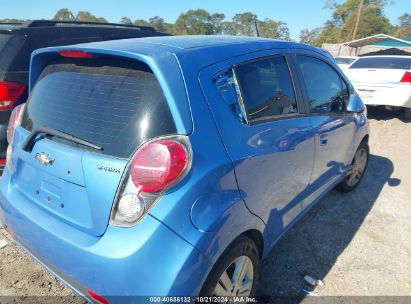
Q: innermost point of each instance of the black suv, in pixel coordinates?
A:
(17, 41)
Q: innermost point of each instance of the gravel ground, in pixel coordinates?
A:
(358, 244)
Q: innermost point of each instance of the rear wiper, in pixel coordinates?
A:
(41, 133)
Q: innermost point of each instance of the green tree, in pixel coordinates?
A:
(141, 22)
(193, 22)
(309, 36)
(87, 16)
(341, 25)
(245, 24)
(64, 14)
(404, 29)
(216, 20)
(269, 28)
(125, 20)
(372, 22)
(227, 28)
(159, 24)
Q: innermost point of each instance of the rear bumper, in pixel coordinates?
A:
(146, 260)
(396, 96)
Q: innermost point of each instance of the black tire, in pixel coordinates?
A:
(242, 246)
(407, 113)
(345, 186)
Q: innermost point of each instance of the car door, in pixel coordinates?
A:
(261, 117)
(327, 93)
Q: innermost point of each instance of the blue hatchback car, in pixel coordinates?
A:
(169, 166)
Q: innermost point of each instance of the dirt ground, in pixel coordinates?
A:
(358, 244)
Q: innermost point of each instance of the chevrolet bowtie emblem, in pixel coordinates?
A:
(44, 159)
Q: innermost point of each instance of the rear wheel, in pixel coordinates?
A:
(356, 170)
(235, 273)
(407, 113)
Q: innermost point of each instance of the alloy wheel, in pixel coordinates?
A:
(237, 279)
(357, 167)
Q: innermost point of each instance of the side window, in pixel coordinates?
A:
(326, 91)
(266, 88)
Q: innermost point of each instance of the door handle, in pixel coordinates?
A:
(324, 139)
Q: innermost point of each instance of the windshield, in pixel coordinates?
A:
(114, 104)
(393, 63)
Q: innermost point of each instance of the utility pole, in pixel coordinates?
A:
(357, 22)
(256, 28)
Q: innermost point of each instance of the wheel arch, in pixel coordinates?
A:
(365, 138)
(257, 237)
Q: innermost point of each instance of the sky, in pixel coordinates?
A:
(298, 14)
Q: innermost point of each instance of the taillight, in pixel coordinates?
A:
(10, 92)
(14, 121)
(406, 78)
(155, 167)
(97, 297)
(75, 54)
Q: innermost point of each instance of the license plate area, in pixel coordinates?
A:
(63, 199)
(366, 93)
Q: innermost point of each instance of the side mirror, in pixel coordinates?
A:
(355, 104)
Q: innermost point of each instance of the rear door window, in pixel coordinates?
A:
(396, 63)
(266, 88)
(116, 104)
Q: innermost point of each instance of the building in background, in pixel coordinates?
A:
(380, 44)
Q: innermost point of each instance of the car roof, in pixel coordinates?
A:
(193, 41)
(199, 41)
(212, 48)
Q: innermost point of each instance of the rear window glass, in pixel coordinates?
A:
(3, 40)
(115, 104)
(398, 63)
(342, 60)
(9, 48)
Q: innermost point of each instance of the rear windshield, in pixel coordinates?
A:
(112, 103)
(3, 41)
(9, 47)
(394, 63)
(342, 60)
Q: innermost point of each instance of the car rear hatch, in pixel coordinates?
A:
(84, 119)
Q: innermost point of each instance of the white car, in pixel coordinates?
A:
(345, 61)
(383, 81)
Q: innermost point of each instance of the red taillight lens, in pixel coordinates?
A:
(406, 78)
(97, 297)
(75, 54)
(14, 121)
(154, 168)
(10, 92)
(158, 164)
